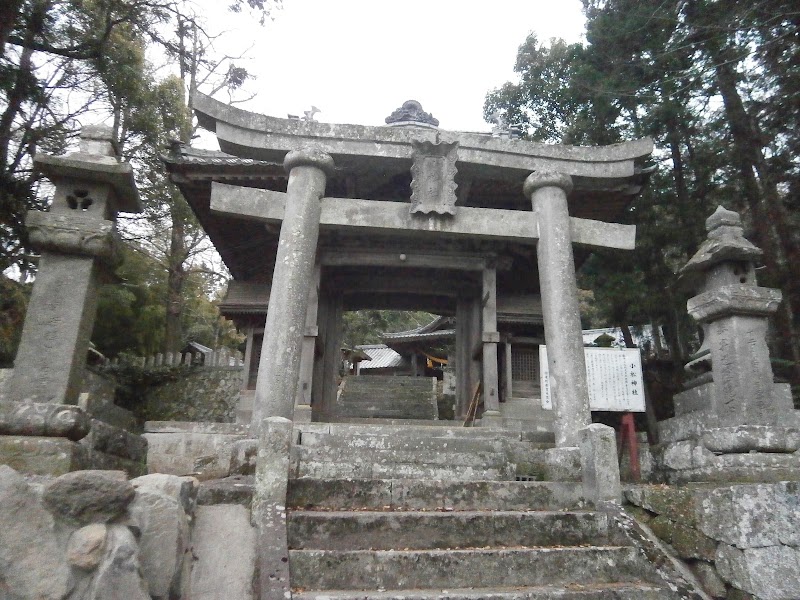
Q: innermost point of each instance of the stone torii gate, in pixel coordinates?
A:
(311, 152)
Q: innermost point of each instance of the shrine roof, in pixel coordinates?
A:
(381, 356)
(374, 164)
(251, 135)
(182, 153)
(430, 331)
(244, 297)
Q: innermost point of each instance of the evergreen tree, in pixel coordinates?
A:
(712, 83)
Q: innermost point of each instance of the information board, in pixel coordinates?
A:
(614, 377)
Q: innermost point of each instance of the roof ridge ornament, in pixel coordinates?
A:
(411, 114)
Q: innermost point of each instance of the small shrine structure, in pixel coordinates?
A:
(314, 219)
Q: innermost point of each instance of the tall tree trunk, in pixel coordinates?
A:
(23, 81)
(8, 16)
(770, 217)
(176, 276)
(178, 251)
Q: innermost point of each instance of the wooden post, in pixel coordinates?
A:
(467, 336)
(248, 354)
(331, 353)
(490, 338)
(627, 437)
(302, 408)
(509, 372)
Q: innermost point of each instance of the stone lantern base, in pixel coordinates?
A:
(701, 446)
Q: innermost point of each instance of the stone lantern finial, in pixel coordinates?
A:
(98, 140)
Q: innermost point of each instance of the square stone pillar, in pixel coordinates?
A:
(467, 336)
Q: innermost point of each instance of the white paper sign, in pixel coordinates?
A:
(614, 377)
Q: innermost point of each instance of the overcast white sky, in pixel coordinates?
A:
(358, 60)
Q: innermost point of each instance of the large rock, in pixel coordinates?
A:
(33, 563)
(687, 542)
(86, 546)
(769, 573)
(85, 497)
(118, 576)
(752, 516)
(116, 441)
(161, 510)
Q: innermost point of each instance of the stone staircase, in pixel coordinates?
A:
(417, 513)
(387, 397)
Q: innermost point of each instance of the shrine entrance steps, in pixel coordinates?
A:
(392, 512)
(387, 397)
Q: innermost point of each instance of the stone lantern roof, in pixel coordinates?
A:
(725, 242)
(97, 160)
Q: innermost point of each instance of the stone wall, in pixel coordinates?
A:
(742, 541)
(202, 394)
(98, 536)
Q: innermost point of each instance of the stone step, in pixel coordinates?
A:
(399, 470)
(390, 391)
(398, 569)
(424, 530)
(408, 428)
(397, 401)
(422, 494)
(430, 441)
(387, 398)
(417, 384)
(435, 455)
(374, 421)
(404, 494)
(385, 380)
(367, 411)
(595, 591)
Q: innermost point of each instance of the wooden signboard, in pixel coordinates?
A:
(614, 377)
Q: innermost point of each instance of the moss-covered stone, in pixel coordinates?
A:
(42, 455)
(691, 543)
(678, 504)
(201, 395)
(640, 514)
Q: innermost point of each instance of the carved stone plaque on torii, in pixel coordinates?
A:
(494, 209)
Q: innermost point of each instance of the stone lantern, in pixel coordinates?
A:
(40, 423)
(732, 409)
(77, 241)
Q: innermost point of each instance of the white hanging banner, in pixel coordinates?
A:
(614, 377)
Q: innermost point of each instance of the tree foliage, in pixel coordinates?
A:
(367, 326)
(716, 84)
(67, 62)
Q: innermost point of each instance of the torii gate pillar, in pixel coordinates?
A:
(279, 368)
(562, 321)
